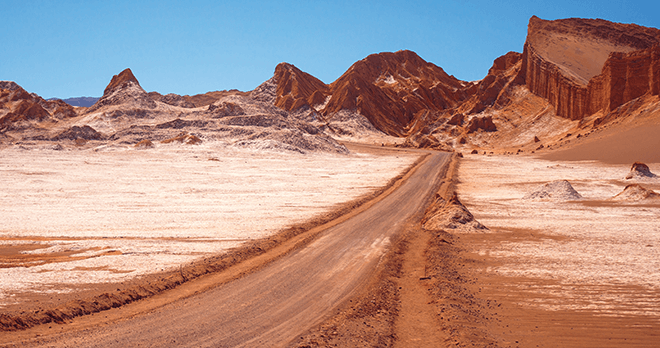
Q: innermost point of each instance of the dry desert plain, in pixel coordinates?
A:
(580, 268)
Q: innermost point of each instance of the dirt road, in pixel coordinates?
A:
(276, 304)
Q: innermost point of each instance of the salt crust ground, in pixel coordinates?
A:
(599, 255)
(126, 212)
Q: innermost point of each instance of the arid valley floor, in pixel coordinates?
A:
(395, 207)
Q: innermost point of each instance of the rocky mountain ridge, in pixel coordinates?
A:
(21, 110)
(573, 76)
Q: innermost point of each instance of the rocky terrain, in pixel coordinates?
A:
(575, 79)
(581, 89)
(126, 115)
(20, 110)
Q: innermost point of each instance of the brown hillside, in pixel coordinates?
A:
(296, 88)
(193, 101)
(391, 89)
(20, 109)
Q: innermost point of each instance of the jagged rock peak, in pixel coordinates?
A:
(119, 81)
(10, 85)
(124, 89)
(296, 89)
(391, 89)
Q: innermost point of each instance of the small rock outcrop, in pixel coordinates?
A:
(223, 109)
(484, 123)
(640, 170)
(561, 190)
(77, 132)
(144, 144)
(419, 141)
(636, 192)
(450, 214)
(184, 138)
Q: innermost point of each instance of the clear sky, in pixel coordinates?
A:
(72, 48)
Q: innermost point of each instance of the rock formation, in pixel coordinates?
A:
(389, 89)
(450, 214)
(195, 101)
(494, 88)
(76, 132)
(640, 171)
(20, 110)
(484, 123)
(585, 65)
(124, 89)
(392, 89)
(636, 192)
(578, 69)
(296, 89)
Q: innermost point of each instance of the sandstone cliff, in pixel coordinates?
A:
(582, 66)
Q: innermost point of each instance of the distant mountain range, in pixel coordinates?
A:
(575, 77)
(79, 101)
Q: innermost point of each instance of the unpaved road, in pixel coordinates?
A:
(274, 305)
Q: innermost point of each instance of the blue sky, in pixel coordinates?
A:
(72, 48)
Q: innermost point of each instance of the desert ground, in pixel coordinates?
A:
(575, 268)
(578, 269)
(78, 219)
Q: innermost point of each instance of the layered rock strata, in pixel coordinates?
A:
(582, 66)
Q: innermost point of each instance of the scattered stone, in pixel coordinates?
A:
(456, 120)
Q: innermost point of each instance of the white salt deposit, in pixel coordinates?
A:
(129, 212)
(601, 255)
(557, 190)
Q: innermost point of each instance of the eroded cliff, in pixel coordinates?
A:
(582, 66)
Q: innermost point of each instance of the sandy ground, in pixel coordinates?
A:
(564, 273)
(77, 218)
(408, 199)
